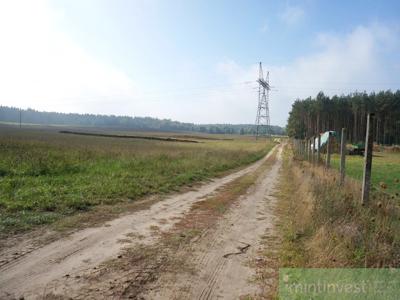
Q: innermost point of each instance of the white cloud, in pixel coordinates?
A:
(292, 14)
(342, 64)
(41, 67)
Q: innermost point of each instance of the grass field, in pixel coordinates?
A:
(45, 175)
(385, 169)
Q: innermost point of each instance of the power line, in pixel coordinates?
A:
(190, 92)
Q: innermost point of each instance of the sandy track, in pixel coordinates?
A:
(29, 275)
(224, 259)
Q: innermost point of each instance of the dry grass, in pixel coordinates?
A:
(293, 197)
(324, 225)
(321, 225)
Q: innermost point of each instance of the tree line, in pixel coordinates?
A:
(314, 115)
(12, 114)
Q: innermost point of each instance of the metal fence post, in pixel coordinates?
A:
(343, 156)
(367, 159)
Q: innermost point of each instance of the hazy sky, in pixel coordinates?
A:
(193, 61)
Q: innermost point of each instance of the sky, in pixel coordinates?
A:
(192, 61)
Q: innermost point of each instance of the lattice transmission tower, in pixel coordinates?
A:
(262, 119)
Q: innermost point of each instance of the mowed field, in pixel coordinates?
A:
(46, 175)
(385, 170)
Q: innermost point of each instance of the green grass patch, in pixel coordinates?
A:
(385, 170)
(45, 175)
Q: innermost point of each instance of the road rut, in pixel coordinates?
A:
(224, 260)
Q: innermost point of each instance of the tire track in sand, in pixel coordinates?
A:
(219, 277)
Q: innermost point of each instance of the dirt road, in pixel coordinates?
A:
(224, 260)
(30, 275)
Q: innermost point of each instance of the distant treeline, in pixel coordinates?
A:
(323, 113)
(11, 114)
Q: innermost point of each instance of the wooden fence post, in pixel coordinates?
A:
(343, 156)
(367, 159)
(328, 151)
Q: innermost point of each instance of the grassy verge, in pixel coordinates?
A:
(385, 170)
(324, 225)
(45, 175)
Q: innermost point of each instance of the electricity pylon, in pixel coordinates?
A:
(262, 119)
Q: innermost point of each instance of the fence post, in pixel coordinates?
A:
(294, 146)
(313, 150)
(367, 159)
(309, 149)
(307, 152)
(299, 148)
(305, 149)
(343, 156)
(328, 151)
(319, 149)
